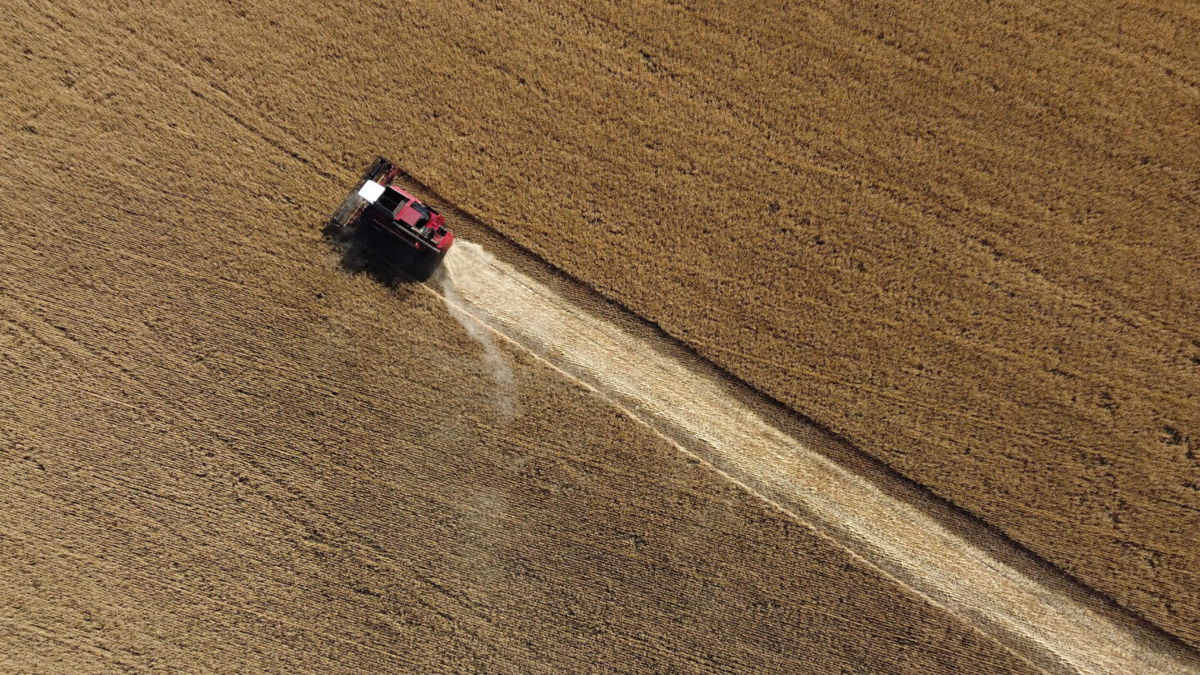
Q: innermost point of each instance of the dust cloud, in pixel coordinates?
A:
(493, 358)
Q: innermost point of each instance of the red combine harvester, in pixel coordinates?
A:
(401, 217)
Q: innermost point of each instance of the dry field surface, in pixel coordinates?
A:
(222, 452)
(966, 240)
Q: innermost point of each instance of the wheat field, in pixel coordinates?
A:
(965, 239)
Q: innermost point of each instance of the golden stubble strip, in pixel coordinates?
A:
(1046, 619)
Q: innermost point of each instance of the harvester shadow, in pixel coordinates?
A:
(365, 250)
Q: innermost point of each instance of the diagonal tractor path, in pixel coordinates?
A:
(810, 474)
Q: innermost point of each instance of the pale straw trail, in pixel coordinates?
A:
(693, 407)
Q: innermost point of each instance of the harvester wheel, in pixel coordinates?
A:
(425, 266)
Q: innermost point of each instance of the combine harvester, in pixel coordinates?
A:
(417, 228)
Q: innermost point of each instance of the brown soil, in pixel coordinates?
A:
(222, 452)
(966, 239)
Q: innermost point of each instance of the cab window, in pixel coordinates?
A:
(392, 200)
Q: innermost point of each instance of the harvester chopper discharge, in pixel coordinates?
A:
(414, 233)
